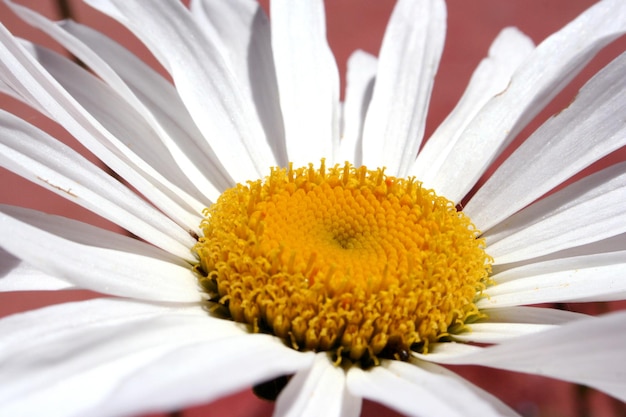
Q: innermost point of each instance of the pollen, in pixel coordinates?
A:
(343, 259)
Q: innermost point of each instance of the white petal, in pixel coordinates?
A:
(407, 64)
(536, 315)
(359, 86)
(203, 79)
(588, 352)
(491, 77)
(497, 332)
(440, 352)
(37, 88)
(414, 391)
(84, 350)
(548, 69)
(590, 210)
(103, 57)
(95, 259)
(308, 81)
(318, 391)
(244, 31)
(597, 277)
(202, 372)
(37, 157)
(17, 275)
(590, 128)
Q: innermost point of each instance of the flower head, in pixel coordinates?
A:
(283, 236)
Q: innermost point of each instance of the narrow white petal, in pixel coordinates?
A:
(597, 277)
(18, 275)
(590, 128)
(413, 391)
(590, 210)
(244, 31)
(33, 154)
(99, 58)
(95, 259)
(536, 315)
(359, 87)
(439, 352)
(318, 391)
(497, 332)
(85, 350)
(588, 352)
(202, 372)
(407, 64)
(203, 79)
(37, 88)
(548, 69)
(491, 77)
(308, 81)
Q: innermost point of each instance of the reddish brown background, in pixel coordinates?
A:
(353, 24)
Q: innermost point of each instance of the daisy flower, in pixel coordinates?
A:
(284, 239)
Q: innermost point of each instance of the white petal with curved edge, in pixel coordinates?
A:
(85, 350)
(202, 372)
(497, 332)
(546, 71)
(319, 390)
(63, 247)
(590, 210)
(203, 79)
(491, 77)
(359, 86)
(308, 81)
(37, 88)
(413, 391)
(17, 275)
(407, 64)
(588, 129)
(588, 351)
(71, 35)
(244, 31)
(583, 278)
(47, 162)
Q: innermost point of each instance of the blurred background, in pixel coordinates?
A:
(355, 24)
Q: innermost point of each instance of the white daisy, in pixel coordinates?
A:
(244, 101)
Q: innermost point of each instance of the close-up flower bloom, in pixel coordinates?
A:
(317, 248)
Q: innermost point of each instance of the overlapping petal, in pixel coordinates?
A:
(95, 259)
(590, 128)
(414, 391)
(17, 275)
(598, 359)
(546, 71)
(203, 79)
(319, 390)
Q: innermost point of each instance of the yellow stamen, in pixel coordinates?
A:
(343, 259)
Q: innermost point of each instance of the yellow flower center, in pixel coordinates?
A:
(343, 259)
